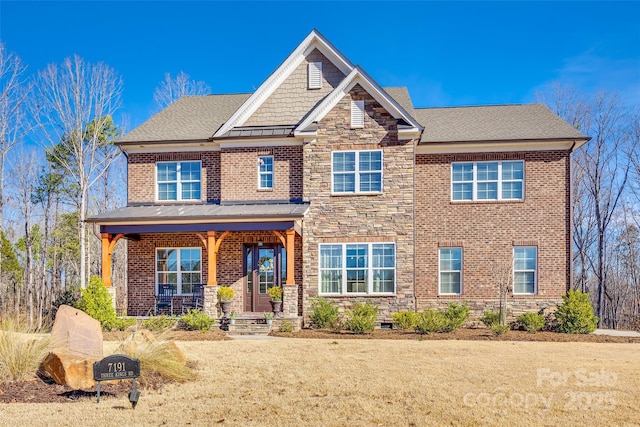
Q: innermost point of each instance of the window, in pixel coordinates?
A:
(315, 75)
(358, 268)
(487, 180)
(357, 114)
(180, 267)
(178, 180)
(525, 265)
(265, 172)
(450, 271)
(357, 171)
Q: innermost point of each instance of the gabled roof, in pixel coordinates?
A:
(314, 40)
(493, 123)
(357, 77)
(189, 118)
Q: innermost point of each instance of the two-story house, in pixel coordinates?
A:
(327, 184)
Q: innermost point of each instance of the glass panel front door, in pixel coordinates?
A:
(261, 273)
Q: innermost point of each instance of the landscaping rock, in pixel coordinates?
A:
(70, 369)
(77, 332)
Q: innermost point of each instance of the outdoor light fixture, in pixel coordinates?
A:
(260, 243)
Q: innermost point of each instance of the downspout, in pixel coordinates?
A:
(570, 282)
(415, 296)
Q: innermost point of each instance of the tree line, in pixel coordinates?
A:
(58, 164)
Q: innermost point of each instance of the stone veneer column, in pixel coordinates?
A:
(211, 300)
(290, 301)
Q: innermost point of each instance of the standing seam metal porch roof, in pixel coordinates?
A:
(206, 213)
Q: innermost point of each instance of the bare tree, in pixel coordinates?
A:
(170, 89)
(23, 180)
(13, 93)
(74, 104)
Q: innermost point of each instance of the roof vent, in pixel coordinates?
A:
(315, 75)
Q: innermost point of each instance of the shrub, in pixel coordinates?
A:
(456, 315)
(21, 352)
(160, 323)
(575, 314)
(323, 313)
(531, 322)
(123, 323)
(430, 321)
(499, 329)
(490, 318)
(275, 293)
(286, 326)
(225, 293)
(195, 320)
(97, 303)
(70, 297)
(362, 319)
(404, 319)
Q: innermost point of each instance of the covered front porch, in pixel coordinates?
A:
(250, 249)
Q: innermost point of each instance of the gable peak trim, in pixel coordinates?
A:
(313, 41)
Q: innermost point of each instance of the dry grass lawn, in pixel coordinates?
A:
(304, 382)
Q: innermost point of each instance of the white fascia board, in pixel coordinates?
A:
(143, 148)
(173, 220)
(409, 133)
(239, 143)
(312, 41)
(354, 78)
(494, 146)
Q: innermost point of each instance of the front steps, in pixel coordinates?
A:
(254, 325)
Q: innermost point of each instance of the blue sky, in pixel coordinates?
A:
(446, 53)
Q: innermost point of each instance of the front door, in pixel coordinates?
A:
(261, 270)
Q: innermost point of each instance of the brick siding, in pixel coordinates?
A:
(488, 231)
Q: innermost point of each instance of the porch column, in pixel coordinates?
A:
(212, 258)
(290, 257)
(108, 243)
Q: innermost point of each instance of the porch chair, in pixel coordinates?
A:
(195, 300)
(164, 299)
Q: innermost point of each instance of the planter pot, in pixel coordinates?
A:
(225, 306)
(269, 322)
(232, 321)
(276, 306)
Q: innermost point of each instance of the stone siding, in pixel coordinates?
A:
(385, 217)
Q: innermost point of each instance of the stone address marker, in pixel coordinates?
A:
(118, 367)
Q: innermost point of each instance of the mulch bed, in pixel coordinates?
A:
(479, 334)
(42, 390)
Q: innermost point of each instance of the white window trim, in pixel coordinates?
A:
(357, 173)
(178, 181)
(370, 269)
(357, 114)
(500, 181)
(314, 75)
(440, 271)
(272, 173)
(179, 271)
(534, 271)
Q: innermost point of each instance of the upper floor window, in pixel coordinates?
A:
(357, 114)
(265, 172)
(358, 268)
(315, 75)
(525, 266)
(487, 180)
(450, 270)
(178, 180)
(356, 171)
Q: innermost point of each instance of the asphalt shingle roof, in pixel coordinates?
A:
(493, 123)
(189, 118)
